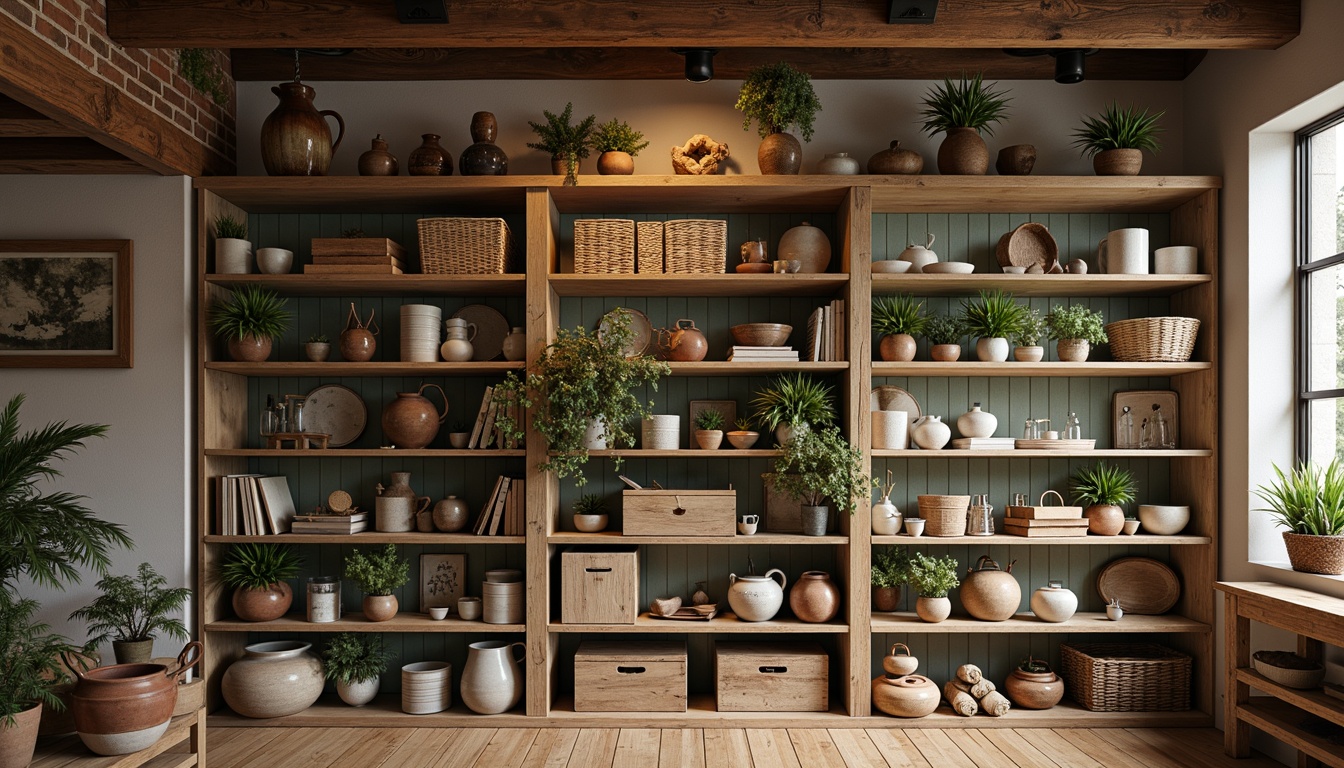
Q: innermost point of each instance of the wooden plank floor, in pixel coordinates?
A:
(720, 748)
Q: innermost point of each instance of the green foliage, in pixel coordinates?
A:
(776, 97)
(319, 338)
(350, 658)
(934, 576)
(898, 314)
(48, 537)
(562, 139)
(229, 226)
(794, 399)
(258, 566)
(250, 311)
(709, 419)
(969, 103)
(134, 608)
(994, 314)
(1030, 330)
(1118, 128)
(743, 424)
(944, 329)
(616, 136)
(819, 464)
(29, 658)
(1103, 484)
(891, 567)
(1307, 499)
(201, 68)
(377, 574)
(590, 504)
(1076, 322)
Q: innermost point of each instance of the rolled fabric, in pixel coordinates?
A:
(996, 704)
(962, 703)
(969, 674)
(982, 688)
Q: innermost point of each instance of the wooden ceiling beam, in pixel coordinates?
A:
(62, 155)
(1193, 24)
(18, 120)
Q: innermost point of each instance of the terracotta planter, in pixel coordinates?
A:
(1029, 354)
(133, 651)
(380, 607)
(988, 593)
(814, 597)
(273, 680)
(1315, 554)
(357, 340)
(945, 353)
(412, 421)
(125, 708)
(743, 440)
(933, 609)
(1073, 350)
(897, 347)
(250, 349)
(886, 599)
(963, 153)
(709, 439)
(559, 166)
(615, 164)
(357, 693)
(1104, 519)
(1118, 162)
(780, 154)
(1034, 690)
(905, 696)
(18, 741)
(265, 604)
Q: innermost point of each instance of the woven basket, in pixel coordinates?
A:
(604, 247)
(944, 515)
(649, 247)
(1153, 339)
(696, 246)
(1126, 677)
(460, 246)
(1315, 554)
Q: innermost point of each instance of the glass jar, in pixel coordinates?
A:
(1073, 428)
(294, 413)
(324, 599)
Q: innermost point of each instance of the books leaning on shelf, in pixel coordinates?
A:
(253, 505)
(487, 432)
(334, 524)
(762, 354)
(504, 514)
(826, 333)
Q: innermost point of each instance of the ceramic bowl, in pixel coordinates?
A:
(949, 268)
(438, 614)
(274, 261)
(1131, 527)
(891, 266)
(469, 608)
(590, 523)
(761, 334)
(1163, 519)
(1010, 270)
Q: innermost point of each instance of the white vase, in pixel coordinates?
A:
(891, 429)
(1054, 602)
(977, 423)
(933, 609)
(839, 164)
(886, 518)
(593, 439)
(930, 433)
(232, 256)
(357, 693)
(756, 598)
(992, 349)
(491, 681)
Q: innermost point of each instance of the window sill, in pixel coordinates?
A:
(1282, 573)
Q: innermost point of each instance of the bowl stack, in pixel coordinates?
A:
(502, 597)
(420, 333)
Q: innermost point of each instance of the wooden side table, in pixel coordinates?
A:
(1317, 620)
(69, 752)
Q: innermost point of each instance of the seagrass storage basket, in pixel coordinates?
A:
(1153, 339)
(944, 515)
(604, 247)
(649, 247)
(464, 246)
(695, 246)
(1126, 677)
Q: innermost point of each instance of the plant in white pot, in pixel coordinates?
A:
(130, 611)
(590, 513)
(792, 403)
(355, 664)
(819, 464)
(890, 570)
(1076, 328)
(233, 251)
(29, 663)
(1028, 338)
(744, 436)
(898, 319)
(1116, 138)
(993, 317)
(378, 576)
(1309, 502)
(944, 334)
(933, 578)
(709, 429)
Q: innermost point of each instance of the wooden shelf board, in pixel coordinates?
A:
(70, 752)
(1088, 285)
(1014, 541)
(372, 194)
(366, 453)
(1099, 453)
(355, 622)
(1314, 701)
(1280, 720)
(1030, 194)
(688, 453)
(328, 370)
(367, 537)
(373, 285)
(712, 285)
(724, 368)
(1026, 623)
(615, 537)
(1036, 370)
(723, 623)
(383, 712)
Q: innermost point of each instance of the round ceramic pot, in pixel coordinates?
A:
(451, 515)
(233, 256)
(430, 158)
(1118, 162)
(988, 593)
(895, 160)
(590, 523)
(274, 261)
(807, 245)
(560, 167)
(780, 154)
(1315, 554)
(615, 164)
(756, 598)
(125, 708)
(380, 607)
(1072, 350)
(250, 349)
(426, 687)
(914, 527)
(977, 423)
(686, 343)
(897, 347)
(491, 681)
(133, 651)
(814, 597)
(886, 518)
(906, 696)
(1164, 519)
(18, 741)
(469, 608)
(273, 679)
(1034, 690)
(459, 440)
(709, 439)
(992, 349)
(412, 421)
(1114, 612)
(265, 604)
(963, 153)
(930, 433)
(839, 164)
(295, 137)
(742, 440)
(1017, 160)
(378, 161)
(358, 344)
(515, 345)
(1104, 519)
(933, 609)
(899, 664)
(317, 351)
(945, 353)
(1031, 354)
(886, 599)
(815, 519)
(1054, 602)
(484, 157)
(1131, 527)
(357, 693)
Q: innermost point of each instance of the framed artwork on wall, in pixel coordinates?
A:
(65, 304)
(443, 579)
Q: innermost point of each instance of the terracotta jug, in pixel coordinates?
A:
(357, 341)
(814, 597)
(411, 421)
(125, 708)
(686, 343)
(295, 139)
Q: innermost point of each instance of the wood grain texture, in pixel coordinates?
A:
(1081, 622)
(1031, 285)
(682, 748)
(184, 732)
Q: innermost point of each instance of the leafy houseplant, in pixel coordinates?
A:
(249, 320)
(590, 513)
(819, 464)
(898, 319)
(792, 401)
(1103, 488)
(567, 143)
(933, 578)
(1028, 337)
(994, 316)
(890, 569)
(963, 110)
(944, 334)
(743, 437)
(709, 429)
(29, 661)
(233, 252)
(1076, 328)
(355, 663)
(257, 573)
(777, 97)
(618, 143)
(1116, 138)
(1309, 502)
(377, 576)
(200, 67)
(130, 610)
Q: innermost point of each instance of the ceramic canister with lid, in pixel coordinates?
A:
(989, 593)
(1054, 602)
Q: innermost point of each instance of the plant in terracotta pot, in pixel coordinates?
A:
(590, 513)
(1027, 337)
(617, 144)
(791, 403)
(1116, 138)
(709, 429)
(777, 97)
(1076, 328)
(318, 348)
(933, 578)
(130, 611)
(233, 251)
(890, 569)
(993, 317)
(743, 437)
(944, 334)
(963, 110)
(819, 464)
(1103, 488)
(566, 142)
(258, 573)
(898, 319)
(248, 321)
(378, 575)
(459, 434)
(355, 662)
(1309, 502)
(29, 663)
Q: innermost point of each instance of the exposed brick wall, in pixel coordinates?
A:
(78, 28)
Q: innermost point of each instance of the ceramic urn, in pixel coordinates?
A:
(756, 598)
(988, 593)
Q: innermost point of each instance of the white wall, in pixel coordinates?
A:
(140, 475)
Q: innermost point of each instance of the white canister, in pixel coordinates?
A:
(1054, 602)
(661, 433)
(1176, 260)
(426, 687)
(594, 438)
(1124, 252)
(891, 429)
(233, 256)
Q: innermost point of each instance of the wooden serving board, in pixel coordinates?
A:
(1144, 585)
(1054, 445)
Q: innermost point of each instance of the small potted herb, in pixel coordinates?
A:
(819, 464)
(891, 569)
(355, 663)
(1028, 338)
(459, 435)
(318, 348)
(709, 429)
(898, 319)
(1116, 138)
(618, 144)
(566, 142)
(233, 251)
(249, 321)
(1309, 502)
(793, 402)
(963, 110)
(777, 97)
(1076, 328)
(130, 610)
(258, 573)
(29, 657)
(944, 334)
(590, 513)
(933, 578)
(743, 437)
(992, 317)
(377, 576)
(1103, 488)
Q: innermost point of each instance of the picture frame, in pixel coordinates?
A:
(1140, 403)
(66, 304)
(443, 579)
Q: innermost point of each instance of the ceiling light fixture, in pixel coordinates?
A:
(699, 63)
(912, 11)
(1070, 63)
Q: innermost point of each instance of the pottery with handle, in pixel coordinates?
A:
(411, 421)
(989, 593)
(125, 708)
(295, 137)
(491, 680)
(756, 598)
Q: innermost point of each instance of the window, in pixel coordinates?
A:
(1320, 290)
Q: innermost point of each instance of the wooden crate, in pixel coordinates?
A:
(679, 513)
(599, 585)
(612, 676)
(771, 677)
(358, 246)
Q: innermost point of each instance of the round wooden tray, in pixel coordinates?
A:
(1029, 245)
(1144, 585)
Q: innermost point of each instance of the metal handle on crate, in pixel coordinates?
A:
(679, 511)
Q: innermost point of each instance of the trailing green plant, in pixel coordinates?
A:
(1030, 330)
(818, 464)
(710, 419)
(1119, 128)
(934, 576)
(29, 659)
(230, 227)
(1307, 499)
(590, 504)
(350, 658)
(994, 314)
(564, 140)
(319, 338)
(969, 103)
(898, 314)
(250, 311)
(377, 574)
(944, 329)
(200, 67)
(1076, 322)
(616, 136)
(891, 567)
(258, 566)
(134, 608)
(776, 97)
(1103, 484)
(581, 376)
(794, 399)
(743, 424)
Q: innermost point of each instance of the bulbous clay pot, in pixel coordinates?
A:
(1073, 350)
(945, 353)
(756, 598)
(808, 245)
(992, 349)
(780, 154)
(380, 607)
(1118, 162)
(930, 433)
(896, 161)
(905, 696)
(378, 161)
(125, 708)
(963, 153)
(429, 159)
(1034, 690)
(1104, 519)
(900, 664)
(250, 349)
(615, 164)
(484, 157)
(886, 599)
(263, 604)
(743, 439)
(1054, 602)
(933, 609)
(273, 679)
(358, 340)
(814, 597)
(1032, 354)
(897, 347)
(357, 693)
(988, 593)
(451, 515)
(411, 421)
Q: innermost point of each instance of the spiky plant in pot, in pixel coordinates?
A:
(249, 321)
(1308, 501)
(258, 574)
(1103, 488)
(898, 319)
(355, 662)
(793, 402)
(993, 317)
(1116, 138)
(963, 110)
(709, 428)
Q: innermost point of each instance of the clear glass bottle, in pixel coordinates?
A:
(294, 413)
(268, 417)
(1145, 435)
(1029, 431)
(980, 516)
(1073, 428)
(1124, 434)
(1162, 430)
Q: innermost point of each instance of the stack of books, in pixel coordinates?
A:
(331, 524)
(356, 256)
(762, 354)
(505, 513)
(826, 333)
(486, 433)
(984, 443)
(253, 505)
(1038, 522)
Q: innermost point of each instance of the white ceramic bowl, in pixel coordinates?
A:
(949, 268)
(590, 523)
(891, 266)
(438, 614)
(1163, 519)
(1011, 270)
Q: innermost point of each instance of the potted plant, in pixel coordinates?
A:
(377, 575)
(992, 317)
(898, 319)
(618, 144)
(793, 402)
(819, 464)
(743, 437)
(567, 143)
(29, 662)
(1103, 488)
(233, 252)
(1028, 337)
(709, 429)
(582, 379)
(1309, 502)
(963, 110)
(1076, 328)
(355, 663)
(249, 320)
(890, 569)
(933, 578)
(1116, 138)
(777, 97)
(318, 348)
(590, 513)
(257, 574)
(944, 334)
(459, 435)
(130, 610)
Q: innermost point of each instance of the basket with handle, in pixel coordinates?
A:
(944, 515)
(1126, 677)
(604, 247)
(1058, 511)
(1153, 339)
(464, 246)
(695, 246)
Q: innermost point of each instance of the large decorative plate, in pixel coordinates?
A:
(337, 411)
(889, 398)
(1144, 585)
(640, 327)
(491, 330)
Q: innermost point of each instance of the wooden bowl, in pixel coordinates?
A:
(761, 334)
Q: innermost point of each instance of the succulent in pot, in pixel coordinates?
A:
(963, 110)
(793, 403)
(590, 513)
(944, 334)
(354, 663)
(777, 97)
(566, 142)
(743, 437)
(1103, 488)
(459, 434)
(1309, 502)
(890, 570)
(233, 251)
(993, 316)
(709, 429)
(29, 656)
(1116, 138)
(130, 610)
(617, 144)
(933, 578)
(378, 575)
(819, 464)
(249, 321)
(1028, 338)
(317, 348)
(1076, 328)
(898, 319)
(257, 573)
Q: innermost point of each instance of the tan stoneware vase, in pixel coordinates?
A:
(895, 160)
(380, 607)
(18, 741)
(125, 708)
(1034, 690)
(273, 679)
(806, 244)
(897, 347)
(886, 599)
(615, 164)
(1104, 519)
(250, 349)
(780, 154)
(483, 157)
(905, 695)
(899, 662)
(430, 158)
(932, 609)
(945, 353)
(295, 137)
(411, 420)
(989, 593)
(358, 340)
(377, 161)
(814, 597)
(1118, 162)
(263, 604)
(963, 153)
(1072, 350)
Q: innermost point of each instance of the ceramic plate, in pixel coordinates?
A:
(491, 330)
(338, 411)
(889, 398)
(1144, 585)
(639, 325)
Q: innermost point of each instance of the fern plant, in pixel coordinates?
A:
(1119, 128)
(898, 314)
(350, 658)
(134, 608)
(616, 136)
(969, 103)
(777, 97)
(564, 140)
(29, 659)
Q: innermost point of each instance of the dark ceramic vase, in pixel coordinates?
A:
(484, 157)
(378, 161)
(780, 154)
(295, 138)
(430, 159)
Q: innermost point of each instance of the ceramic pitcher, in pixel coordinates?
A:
(491, 683)
(295, 139)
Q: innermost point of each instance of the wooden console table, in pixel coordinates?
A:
(188, 730)
(1317, 620)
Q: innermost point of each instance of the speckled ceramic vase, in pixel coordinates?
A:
(273, 679)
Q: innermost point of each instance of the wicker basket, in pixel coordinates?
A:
(461, 246)
(604, 247)
(1153, 339)
(649, 247)
(944, 515)
(696, 246)
(1126, 677)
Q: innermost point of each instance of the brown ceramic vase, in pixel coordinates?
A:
(263, 604)
(295, 137)
(378, 161)
(897, 347)
(125, 708)
(484, 157)
(780, 154)
(411, 421)
(886, 599)
(615, 164)
(963, 153)
(814, 598)
(430, 158)
(1104, 519)
(896, 161)
(250, 349)
(1034, 690)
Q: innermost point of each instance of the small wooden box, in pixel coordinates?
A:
(599, 585)
(679, 513)
(358, 246)
(649, 676)
(771, 677)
